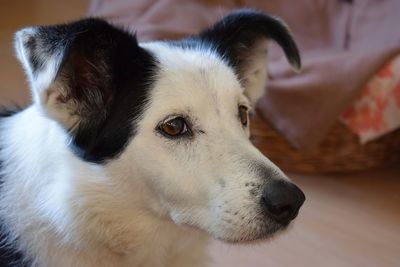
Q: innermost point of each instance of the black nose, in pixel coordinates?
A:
(282, 200)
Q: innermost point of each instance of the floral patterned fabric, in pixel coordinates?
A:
(377, 110)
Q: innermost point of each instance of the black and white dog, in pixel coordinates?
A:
(132, 154)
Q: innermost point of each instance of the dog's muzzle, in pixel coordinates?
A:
(281, 200)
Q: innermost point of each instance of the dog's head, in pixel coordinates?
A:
(174, 113)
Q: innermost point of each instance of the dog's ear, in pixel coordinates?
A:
(88, 76)
(70, 67)
(241, 39)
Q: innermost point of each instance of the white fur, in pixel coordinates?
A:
(158, 201)
(38, 83)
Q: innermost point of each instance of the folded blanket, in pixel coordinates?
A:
(343, 43)
(376, 111)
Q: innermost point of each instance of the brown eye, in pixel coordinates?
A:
(174, 128)
(243, 115)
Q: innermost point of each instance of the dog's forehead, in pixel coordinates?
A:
(193, 74)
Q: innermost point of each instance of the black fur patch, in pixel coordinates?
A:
(9, 256)
(105, 73)
(235, 35)
(5, 113)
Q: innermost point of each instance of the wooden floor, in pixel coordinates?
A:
(351, 220)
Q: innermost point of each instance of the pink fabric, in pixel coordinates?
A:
(161, 19)
(376, 111)
(343, 43)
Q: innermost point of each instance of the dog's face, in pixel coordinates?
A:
(178, 111)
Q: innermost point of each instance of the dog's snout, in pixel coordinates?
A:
(282, 200)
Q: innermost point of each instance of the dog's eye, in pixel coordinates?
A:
(243, 115)
(174, 127)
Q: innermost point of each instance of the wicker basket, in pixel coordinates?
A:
(339, 152)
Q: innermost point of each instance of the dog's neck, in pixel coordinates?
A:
(80, 211)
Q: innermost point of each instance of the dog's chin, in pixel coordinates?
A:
(262, 233)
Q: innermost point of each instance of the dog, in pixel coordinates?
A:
(134, 154)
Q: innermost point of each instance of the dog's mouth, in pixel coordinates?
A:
(254, 230)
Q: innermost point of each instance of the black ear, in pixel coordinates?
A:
(241, 37)
(90, 77)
